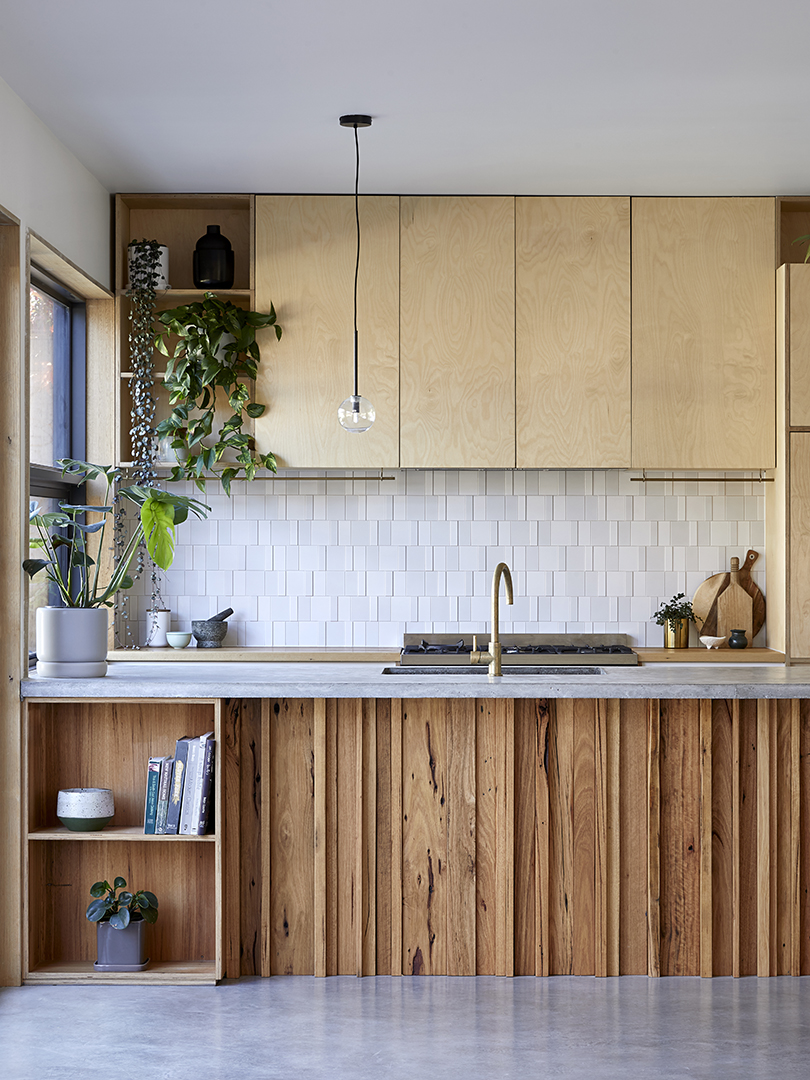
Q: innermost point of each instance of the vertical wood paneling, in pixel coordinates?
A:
(561, 838)
(706, 807)
(291, 832)
(798, 578)
(253, 853)
(633, 822)
(653, 839)
(763, 840)
(505, 727)
(486, 761)
(722, 839)
(332, 837)
(383, 832)
(397, 884)
(461, 838)
(320, 837)
(367, 943)
(747, 804)
(795, 883)
(584, 843)
(266, 861)
(231, 826)
(782, 840)
(424, 837)
(611, 710)
(525, 836)
(542, 839)
(348, 829)
(804, 849)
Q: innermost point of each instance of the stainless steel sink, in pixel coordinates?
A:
(482, 669)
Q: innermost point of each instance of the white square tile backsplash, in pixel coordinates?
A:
(359, 562)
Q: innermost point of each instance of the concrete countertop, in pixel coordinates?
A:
(349, 680)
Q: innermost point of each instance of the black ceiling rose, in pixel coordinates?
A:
(355, 120)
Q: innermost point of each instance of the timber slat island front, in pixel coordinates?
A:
(462, 835)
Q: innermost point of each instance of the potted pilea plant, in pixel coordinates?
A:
(121, 919)
(215, 355)
(675, 616)
(72, 640)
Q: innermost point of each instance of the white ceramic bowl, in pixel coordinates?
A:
(85, 809)
(178, 639)
(712, 642)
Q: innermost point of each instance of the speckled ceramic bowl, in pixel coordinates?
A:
(209, 635)
(85, 809)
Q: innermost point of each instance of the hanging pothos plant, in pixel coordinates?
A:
(216, 350)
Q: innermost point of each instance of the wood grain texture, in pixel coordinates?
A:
(776, 494)
(723, 762)
(367, 940)
(572, 307)
(542, 839)
(347, 813)
(383, 831)
(424, 837)
(633, 823)
(763, 839)
(320, 893)
(795, 882)
(13, 499)
(306, 247)
(397, 889)
(654, 839)
(804, 848)
(705, 840)
(254, 854)
(457, 332)
(782, 839)
(266, 845)
(525, 879)
(799, 346)
(332, 877)
(488, 917)
(799, 559)
(291, 830)
(230, 802)
(747, 833)
(461, 837)
(680, 837)
(735, 611)
(702, 327)
(584, 834)
(561, 838)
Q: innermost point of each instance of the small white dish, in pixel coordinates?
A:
(712, 642)
(178, 639)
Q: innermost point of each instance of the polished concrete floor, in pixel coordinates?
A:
(381, 1028)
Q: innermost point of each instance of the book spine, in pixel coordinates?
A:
(163, 795)
(207, 788)
(152, 784)
(186, 814)
(176, 794)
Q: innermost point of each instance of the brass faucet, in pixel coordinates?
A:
(493, 657)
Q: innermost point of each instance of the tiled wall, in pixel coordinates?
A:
(360, 561)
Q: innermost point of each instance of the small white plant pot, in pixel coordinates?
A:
(72, 642)
(162, 281)
(157, 623)
(85, 809)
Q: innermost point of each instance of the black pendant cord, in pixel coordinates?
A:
(357, 263)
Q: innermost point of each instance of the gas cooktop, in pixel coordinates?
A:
(455, 649)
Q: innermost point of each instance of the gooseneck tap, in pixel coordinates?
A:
(493, 657)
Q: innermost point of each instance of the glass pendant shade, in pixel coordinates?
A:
(356, 414)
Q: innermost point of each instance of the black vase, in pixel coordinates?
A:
(213, 261)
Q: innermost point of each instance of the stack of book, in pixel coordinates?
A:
(180, 789)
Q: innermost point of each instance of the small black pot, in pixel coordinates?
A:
(213, 261)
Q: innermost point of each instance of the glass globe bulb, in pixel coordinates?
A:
(356, 414)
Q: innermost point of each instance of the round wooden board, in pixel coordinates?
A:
(704, 603)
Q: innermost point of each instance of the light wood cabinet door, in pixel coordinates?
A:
(572, 280)
(799, 322)
(305, 262)
(703, 333)
(457, 334)
(799, 576)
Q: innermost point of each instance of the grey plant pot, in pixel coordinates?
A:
(121, 950)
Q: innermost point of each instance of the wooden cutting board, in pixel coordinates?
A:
(735, 608)
(704, 603)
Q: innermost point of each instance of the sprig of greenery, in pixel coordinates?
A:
(674, 611)
(77, 574)
(216, 348)
(804, 240)
(117, 908)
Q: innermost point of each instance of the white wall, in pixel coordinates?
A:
(50, 191)
(358, 562)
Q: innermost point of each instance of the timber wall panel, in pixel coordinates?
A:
(463, 837)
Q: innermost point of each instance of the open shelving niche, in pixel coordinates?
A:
(102, 743)
(177, 221)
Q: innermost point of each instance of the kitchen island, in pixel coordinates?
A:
(649, 820)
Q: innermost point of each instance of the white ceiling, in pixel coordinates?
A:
(576, 96)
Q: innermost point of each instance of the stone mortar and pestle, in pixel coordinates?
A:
(209, 633)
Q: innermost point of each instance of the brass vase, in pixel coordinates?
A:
(676, 635)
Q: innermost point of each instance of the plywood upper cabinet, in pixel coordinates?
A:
(457, 337)
(572, 269)
(305, 261)
(703, 333)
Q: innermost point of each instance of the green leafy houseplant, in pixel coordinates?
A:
(77, 573)
(215, 350)
(804, 240)
(119, 908)
(675, 611)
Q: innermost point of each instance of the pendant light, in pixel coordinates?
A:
(356, 413)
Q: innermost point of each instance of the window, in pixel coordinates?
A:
(56, 329)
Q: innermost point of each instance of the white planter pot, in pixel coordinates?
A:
(162, 282)
(72, 642)
(157, 624)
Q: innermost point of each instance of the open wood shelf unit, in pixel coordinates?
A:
(104, 743)
(177, 221)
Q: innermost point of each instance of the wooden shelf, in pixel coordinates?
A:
(710, 656)
(159, 972)
(114, 833)
(171, 298)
